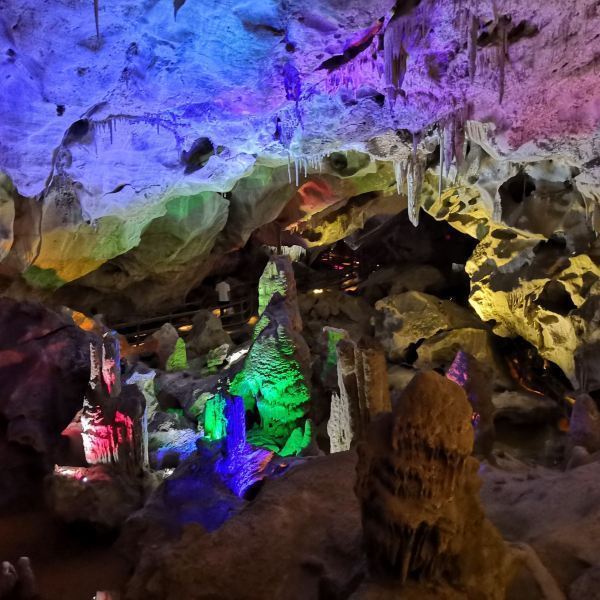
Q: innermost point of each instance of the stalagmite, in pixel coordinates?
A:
(476, 378)
(112, 417)
(417, 484)
(275, 377)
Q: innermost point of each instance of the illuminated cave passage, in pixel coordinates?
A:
(299, 300)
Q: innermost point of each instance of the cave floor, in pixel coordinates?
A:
(68, 564)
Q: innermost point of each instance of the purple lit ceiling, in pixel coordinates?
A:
(273, 79)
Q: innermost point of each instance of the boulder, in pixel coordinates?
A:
(439, 351)
(417, 278)
(101, 496)
(207, 334)
(414, 316)
(162, 342)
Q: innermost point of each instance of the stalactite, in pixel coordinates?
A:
(400, 168)
(448, 133)
(414, 181)
(502, 54)
(296, 171)
(472, 46)
(441, 174)
(96, 18)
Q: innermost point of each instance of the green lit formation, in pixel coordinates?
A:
(333, 337)
(215, 423)
(272, 281)
(273, 380)
(298, 440)
(46, 279)
(178, 359)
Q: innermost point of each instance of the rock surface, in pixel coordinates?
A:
(243, 559)
(101, 496)
(44, 369)
(414, 316)
(198, 128)
(327, 555)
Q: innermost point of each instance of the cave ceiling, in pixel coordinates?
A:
(140, 145)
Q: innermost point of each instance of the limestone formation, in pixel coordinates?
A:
(477, 379)
(101, 496)
(278, 278)
(584, 425)
(542, 289)
(177, 360)
(413, 316)
(276, 378)
(44, 369)
(418, 488)
(112, 419)
(363, 392)
(207, 334)
(440, 349)
(163, 342)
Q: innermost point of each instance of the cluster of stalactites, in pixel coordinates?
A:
(303, 163)
(409, 174)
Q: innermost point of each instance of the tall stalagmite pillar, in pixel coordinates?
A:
(418, 488)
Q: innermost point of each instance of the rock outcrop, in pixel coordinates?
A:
(414, 316)
(44, 369)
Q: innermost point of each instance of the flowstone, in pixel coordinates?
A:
(418, 488)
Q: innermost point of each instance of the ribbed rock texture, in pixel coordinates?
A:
(418, 489)
(363, 392)
(275, 378)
